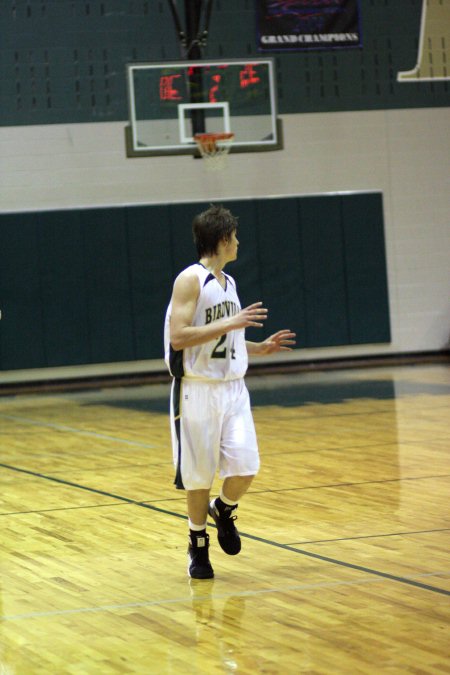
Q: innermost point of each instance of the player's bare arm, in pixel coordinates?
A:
(281, 341)
(184, 300)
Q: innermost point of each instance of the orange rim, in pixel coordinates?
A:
(201, 138)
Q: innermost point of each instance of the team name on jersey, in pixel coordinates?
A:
(222, 309)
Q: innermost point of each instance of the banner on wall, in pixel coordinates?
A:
(298, 25)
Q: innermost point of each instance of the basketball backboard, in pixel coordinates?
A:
(170, 102)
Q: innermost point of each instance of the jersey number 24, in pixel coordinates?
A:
(220, 352)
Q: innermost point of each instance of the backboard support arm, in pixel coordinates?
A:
(194, 10)
(194, 38)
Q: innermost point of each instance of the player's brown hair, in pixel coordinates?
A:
(212, 226)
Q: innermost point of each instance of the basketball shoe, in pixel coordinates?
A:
(199, 566)
(227, 534)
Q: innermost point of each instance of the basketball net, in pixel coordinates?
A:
(214, 148)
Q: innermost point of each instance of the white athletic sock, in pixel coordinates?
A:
(225, 500)
(196, 528)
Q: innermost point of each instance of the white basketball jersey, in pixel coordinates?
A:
(224, 358)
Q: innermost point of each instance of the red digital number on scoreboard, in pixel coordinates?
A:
(167, 90)
(248, 76)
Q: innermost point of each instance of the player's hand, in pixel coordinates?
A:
(281, 341)
(252, 315)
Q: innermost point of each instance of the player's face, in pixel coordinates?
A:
(231, 247)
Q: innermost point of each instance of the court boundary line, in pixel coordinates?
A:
(356, 483)
(368, 536)
(286, 547)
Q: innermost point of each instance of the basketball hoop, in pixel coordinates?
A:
(214, 148)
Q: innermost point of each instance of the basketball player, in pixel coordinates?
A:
(207, 355)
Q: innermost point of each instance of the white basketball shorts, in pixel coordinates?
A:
(212, 427)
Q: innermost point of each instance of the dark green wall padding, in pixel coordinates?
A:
(92, 286)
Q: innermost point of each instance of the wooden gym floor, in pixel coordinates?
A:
(345, 562)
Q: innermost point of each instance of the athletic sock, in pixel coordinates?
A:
(225, 500)
(197, 528)
(222, 503)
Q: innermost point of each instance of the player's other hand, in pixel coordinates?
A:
(282, 341)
